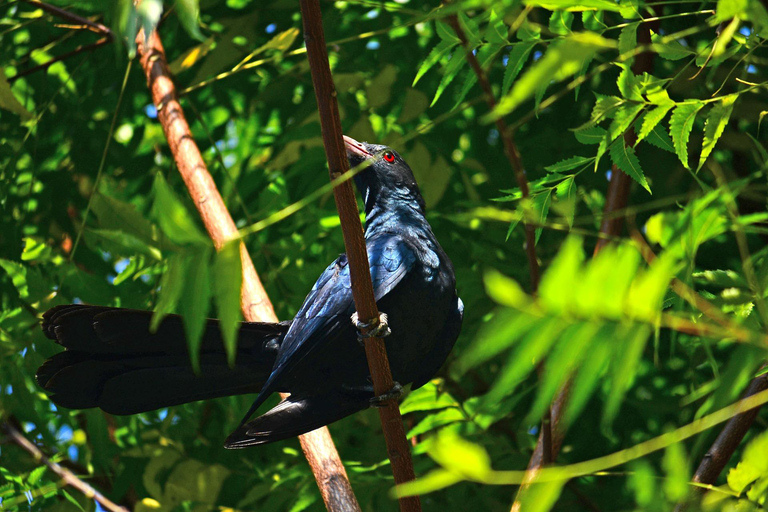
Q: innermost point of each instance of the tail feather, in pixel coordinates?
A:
(113, 362)
(295, 416)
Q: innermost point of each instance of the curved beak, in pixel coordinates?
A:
(355, 150)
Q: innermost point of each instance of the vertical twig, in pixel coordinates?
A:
(362, 288)
(66, 475)
(317, 445)
(513, 155)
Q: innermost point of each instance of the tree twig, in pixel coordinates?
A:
(72, 17)
(362, 288)
(722, 449)
(317, 445)
(45, 65)
(66, 475)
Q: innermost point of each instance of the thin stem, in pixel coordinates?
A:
(362, 288)
(66, 475)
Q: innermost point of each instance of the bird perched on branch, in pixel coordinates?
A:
(114, 362)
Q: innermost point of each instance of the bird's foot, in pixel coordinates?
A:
(377, 328)
(393, 394)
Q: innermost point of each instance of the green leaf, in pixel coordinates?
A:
(605, 108)
(174, 219)
(429, 397)
(568, 164)
(8, 100)
(628, 41)
(590, 135)
(188, 12)
(670, 50)
(437, 53)
(541, 497)
(676, 466)
(561, 274)
(624, 158)
(680, 126)
(717, 119)
(503, 332)
(517, 58)
(503, 290)
(628, 86)
(461, 457)
(227, 282)
(574, 5)
(149, 13)
(117, 215)
(171, 288)
(436, 420)
(560, 22)
(623, 371)
(195, 303)
(623, 119)
(484, 57)
(753, 464)
(650, 120)
(727, 9)
(458, 60)
(590, 373)
(562, 60)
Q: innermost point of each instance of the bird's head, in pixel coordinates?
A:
(386, 177)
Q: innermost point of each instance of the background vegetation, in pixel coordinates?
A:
(92, 210)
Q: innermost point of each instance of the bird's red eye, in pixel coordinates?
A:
(389, 157)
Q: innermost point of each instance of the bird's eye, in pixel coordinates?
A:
(389, 157)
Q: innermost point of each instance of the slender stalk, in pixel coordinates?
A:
(360, 275)
(66, 475)
(317, 445)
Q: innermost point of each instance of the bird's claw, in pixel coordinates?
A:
(393, 394)
(378, 328)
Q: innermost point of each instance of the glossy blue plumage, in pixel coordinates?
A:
(320, 360)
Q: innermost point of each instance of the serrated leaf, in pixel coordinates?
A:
(605, 108)
(623, 119)
(568, 164)
(458, 60)
(227, 282)
(628, 86)
(515, 62)
(436, 420)
(717, 119)
(628, 40)
(560, 22)
(670, 50)
(624, 158)
(188, 12)
(429, 397)
(195, 302)
(437, 53)
(574, 5)
(650, 119)
(590, 135)
(562, 60)
(446, 33)
(680, 126)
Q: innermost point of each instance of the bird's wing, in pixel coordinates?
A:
(328, 307)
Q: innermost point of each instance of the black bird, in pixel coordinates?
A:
(112, 361)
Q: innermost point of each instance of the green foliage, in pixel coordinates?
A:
(647, 361)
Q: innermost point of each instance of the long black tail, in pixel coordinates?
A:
(113, 362)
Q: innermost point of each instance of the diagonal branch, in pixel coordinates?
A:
(317, 445)
(360, 275)
(66, 475)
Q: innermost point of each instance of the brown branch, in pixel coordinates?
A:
(317, 445)
(611, 227)
(510, 149)
(66, 475)
(45, 65)
(362, 288)
(72, 18)
(727, 441)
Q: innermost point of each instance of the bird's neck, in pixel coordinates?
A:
(395, 208)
